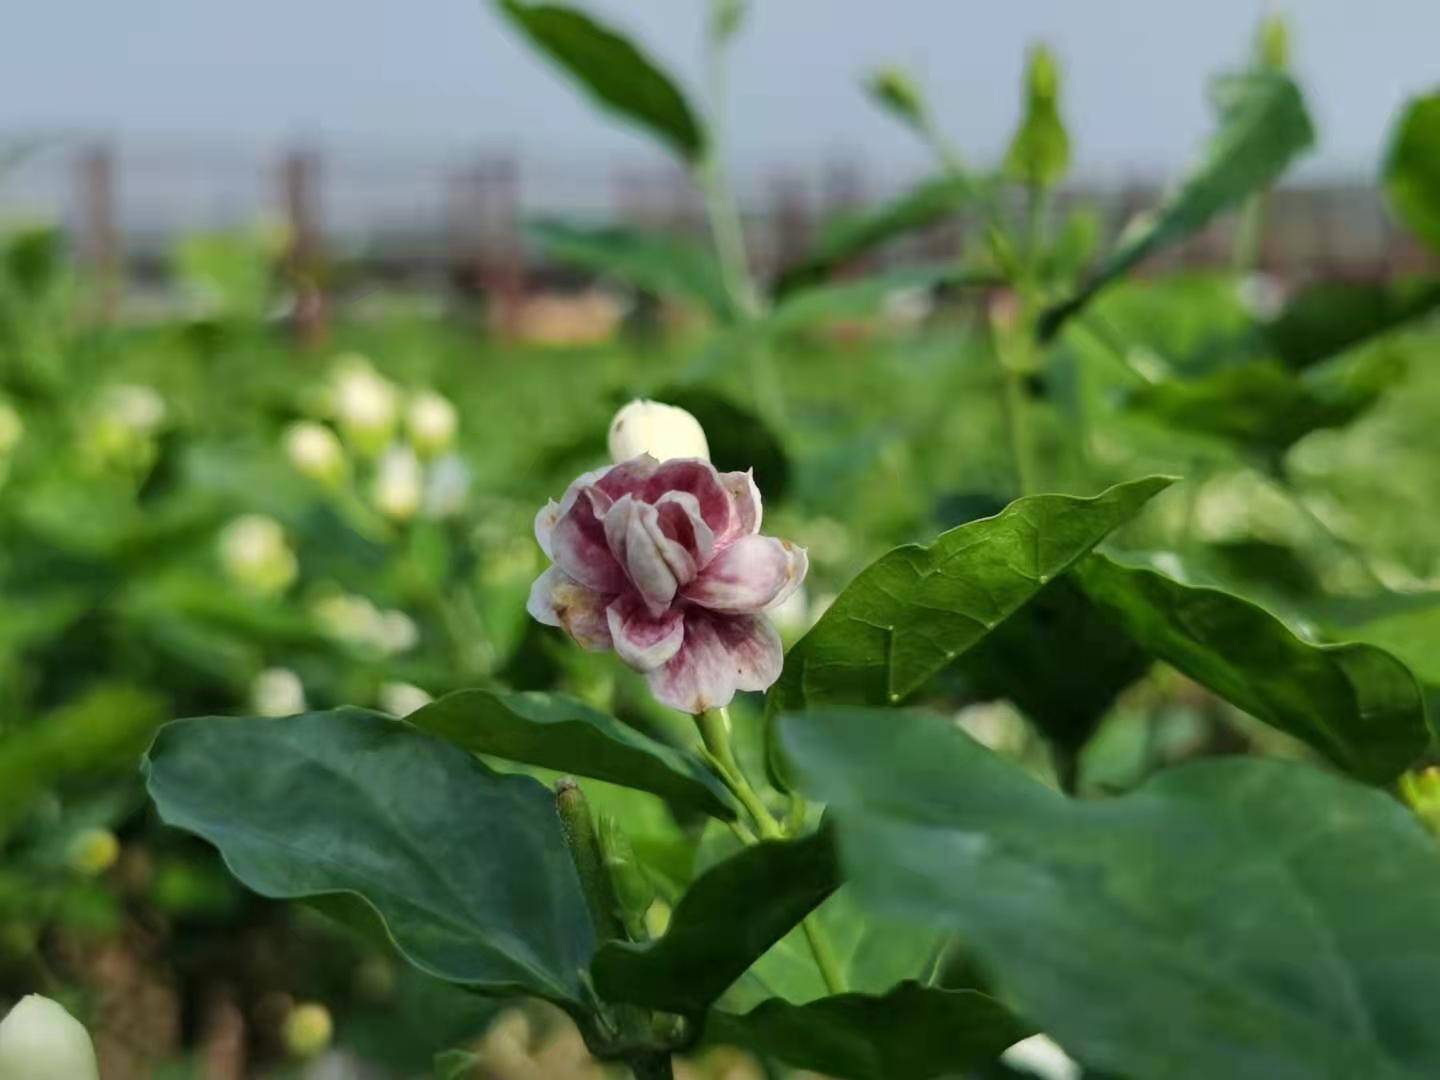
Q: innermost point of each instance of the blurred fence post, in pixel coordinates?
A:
(98, 240)
(502, 276)
(304, 259)
(789, 224)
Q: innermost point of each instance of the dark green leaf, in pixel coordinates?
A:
(1329, 317)
(911, 1033)
(614, 71)
(738, 439)
(917, 608)
(1263, 127)
(656, 262)
(558, 732)
(1354, 703)
(1412, 168)
(456, 1065)
(1228, 918)
(863, 298)
(854, 234)
(465, 866)
(728, 918)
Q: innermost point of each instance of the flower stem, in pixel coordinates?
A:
(824, 954)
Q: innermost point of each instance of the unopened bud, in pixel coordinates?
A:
(255, 553)
(93, 851)
(660, 430)
(634, 891)
(315, 451)
(277, 691)
(895, 91)
(431, 421)
(399, 484)
(1420, 789)
(308, 1029)
(40, 1040)
(364, 403)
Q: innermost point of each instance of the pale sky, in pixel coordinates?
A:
(447, 74)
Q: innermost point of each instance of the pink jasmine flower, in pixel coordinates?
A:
(665, 564)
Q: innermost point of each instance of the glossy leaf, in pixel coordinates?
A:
(558, 732)
(1412, 168)
(1229, 918)
(656, 262)
(617, 74)
(465, 866)
(918, 608)
(911, 1033)
(728, 918)
(1263, 128)
(1354, 703)
(1328, 317)
(853, 234)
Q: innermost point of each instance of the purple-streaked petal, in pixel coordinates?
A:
(545, 522)
(701, 675)
(558, 600)
(641, 640)
(578, 545)
(628, 477)
(749, 575)
(756, 653)
(745, 497)
(633, 534)
(679, 520)
(698, 478)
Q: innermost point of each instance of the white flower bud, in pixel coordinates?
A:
(12, 428)
(399, 484)
(402, 699)
(396, 632)
(660, 430)
(364, 402)
(315, 451)
(277, 691)
(137, 408)
(446, 487)
(1042, 1056)
(39, 1040)
(432, 422)
(254, 552)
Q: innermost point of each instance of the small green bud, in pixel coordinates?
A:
(896, 92)
(578, 828)
(726, 18)
(93, 851)
(634, 891)
(308, 1029)
(1039, 155)
(1420, 788)
(1272, 43)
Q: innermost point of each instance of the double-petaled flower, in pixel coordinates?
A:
(665, 564)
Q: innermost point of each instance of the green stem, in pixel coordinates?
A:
(824, 954)
(579, 831)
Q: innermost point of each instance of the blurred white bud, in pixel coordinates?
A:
(431, 421)
(1042, 1056)
(791, 616)
(660, 430)
(1261, 295)
(39, 1040)
(277, 691)
(315, 451)
(348, 617)
(308, 1029)
(446, 486)
(92, 851)
(396, 632)
(12, 428)
(365, 403)
(141, 409)
(402, 699)
(399, 484)
(254, 552)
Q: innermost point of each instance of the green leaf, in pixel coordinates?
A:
(728, 918)
(656, 262)
(1412, 168)
(816, 304)
(895, 91)
(853, 234)
(617, 74)
(1354, 703)
(558, 732)
(918, 608)
(1229, 918)
(465, 866)
(911, 1033)
(456, 1065)
(1264, 407)
(1263, 127)
(1328, 317)
(1039, 155)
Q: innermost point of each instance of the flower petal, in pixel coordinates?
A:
(697, 478)
(558, 600)
(750, 574)
(545, 522)
(700, 675)
(679, 520)
(641, 640)
(578, 543)
(745, 497)
(633, 532)
(756, 652)
(627, 477)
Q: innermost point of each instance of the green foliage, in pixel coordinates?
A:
(560, 733)
(465, 867)
(613, 71)
(897, 93)
(1282, 912)
(1263, 127)
(913, 1032)
(1039, 154)
(1411, 172)
(1328, 317)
